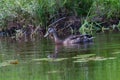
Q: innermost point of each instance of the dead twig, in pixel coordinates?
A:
(56, 21)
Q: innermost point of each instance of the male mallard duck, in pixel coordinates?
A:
(73, 39)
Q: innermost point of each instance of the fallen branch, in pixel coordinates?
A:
(56, 21)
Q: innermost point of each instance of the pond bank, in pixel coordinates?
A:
(69, 25)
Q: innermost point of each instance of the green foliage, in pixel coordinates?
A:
(40, 12)
(118, 26)
(11, 9)
(78, 7)
(108, 8)
(100, 9)
(86, 28)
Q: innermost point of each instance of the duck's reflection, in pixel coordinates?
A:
(70, 50)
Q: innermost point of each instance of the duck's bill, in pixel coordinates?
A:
(46, 34)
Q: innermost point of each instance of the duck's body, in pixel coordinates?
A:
(73, 39)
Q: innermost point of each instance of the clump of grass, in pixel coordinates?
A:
(101, 11)
(118, 26)
(105, 8)
(15, 9)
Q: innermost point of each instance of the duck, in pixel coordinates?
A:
(72, 39)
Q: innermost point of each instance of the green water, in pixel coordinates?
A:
(42, 60)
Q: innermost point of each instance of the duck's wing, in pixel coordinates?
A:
(75, 39)
(72, 37)
(82, 39)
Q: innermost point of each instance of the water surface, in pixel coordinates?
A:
(42, 60)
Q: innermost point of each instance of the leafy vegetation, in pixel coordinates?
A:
(45, 12)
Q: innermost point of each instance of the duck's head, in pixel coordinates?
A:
(49, 31)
